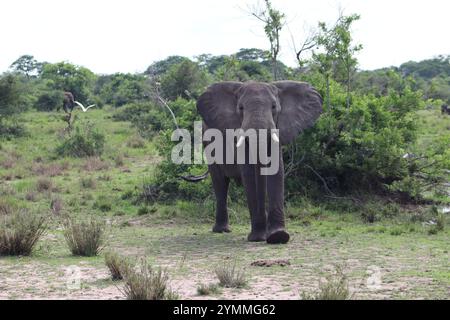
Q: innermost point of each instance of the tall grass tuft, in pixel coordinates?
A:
(334, 288)
(19, 232)
(116, 264)
(84, 238)
(231, 276)
(143, 282)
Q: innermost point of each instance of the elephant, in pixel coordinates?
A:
(68, 102)
(445, 109)
(287, 106)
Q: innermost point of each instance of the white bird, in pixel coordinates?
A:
(83, 108)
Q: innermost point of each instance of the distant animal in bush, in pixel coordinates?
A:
(445, 109)
(288, 106)
(68, 102)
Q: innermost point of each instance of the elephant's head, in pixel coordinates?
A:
(288, 106)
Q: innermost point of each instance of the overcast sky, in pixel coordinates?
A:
(128, 35)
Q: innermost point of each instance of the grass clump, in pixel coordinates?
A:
(439, 225)
(87, 183)
(44, 184)
(116, 264)
(231, 276)
(19, 232)
(80, 143)
(208, 289)
(334, 288)
(143, 282)
(84, 238)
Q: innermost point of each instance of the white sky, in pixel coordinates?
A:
(128, 35)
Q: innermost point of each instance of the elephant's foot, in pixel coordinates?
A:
(255, 236)
(221, 228)
(279, 236)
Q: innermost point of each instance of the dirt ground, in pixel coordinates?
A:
(378, 265)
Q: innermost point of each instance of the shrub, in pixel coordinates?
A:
(116, 264)
(143, 282)
(103, 204)
(334, 288)
(50, 100)
(208, 289)
(82, 142)
(84, 238)
(136, 142)
(19, 232)
(230, 275)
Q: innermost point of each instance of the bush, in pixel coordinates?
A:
(85, 142)
(230, 275)
(143, 282)
(136, 142)
(19, 232)
(117, 265)
(50, 100)
(84, 238)
(356, 148)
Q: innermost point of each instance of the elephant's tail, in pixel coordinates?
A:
(199, 178)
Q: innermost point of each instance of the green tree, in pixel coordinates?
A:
(27, 65)
(273, 24)
(160, 67)
(68, 77)
(184, 77)
(337, 55)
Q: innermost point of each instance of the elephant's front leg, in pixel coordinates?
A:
(255, 188)
(220, 184)
(276, 232)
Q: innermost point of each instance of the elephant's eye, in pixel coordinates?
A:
(274, 106)
(241, 107)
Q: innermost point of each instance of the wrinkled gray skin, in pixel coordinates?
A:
(68, 102)
(286, 105)
(445, 109)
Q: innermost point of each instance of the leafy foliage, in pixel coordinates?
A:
(83, 142)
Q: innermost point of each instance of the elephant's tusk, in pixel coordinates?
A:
(275, 137)
(240, 141)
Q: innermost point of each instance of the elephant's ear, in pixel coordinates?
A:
(301, 105)
(218, 105)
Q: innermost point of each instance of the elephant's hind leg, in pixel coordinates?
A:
(220, 185)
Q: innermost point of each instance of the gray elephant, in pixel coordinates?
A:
(68, 102)
(288, 106)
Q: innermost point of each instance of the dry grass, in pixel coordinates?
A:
(50, 170)
(56, 206)
(230, 275)
(136, 142)
(44, 184)
(19, 232)
(208, 289)
(335, 287)
(116, 264)
(6, 207)
(84, 238)
(143, 282)
(95, 164)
